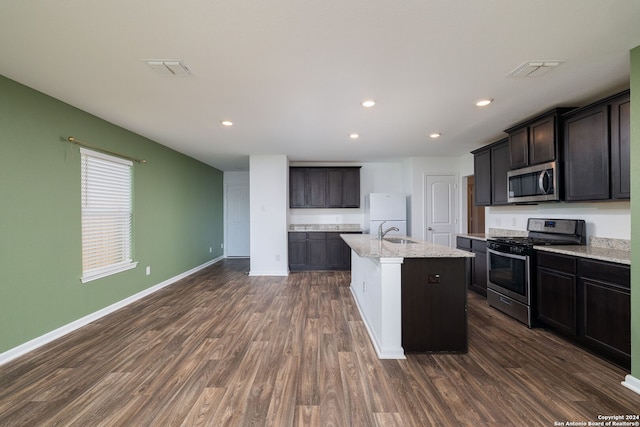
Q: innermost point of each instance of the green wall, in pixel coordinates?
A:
(178, 211)
(635, 211)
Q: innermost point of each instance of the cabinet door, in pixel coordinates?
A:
(335, 190)
(297, 187)
(607, 317)
(542, 141)
(482, 176)
(499, 169)
(297, 250)
(316, 188)
(335, 249)
(587, 155)
(351, 190)
(317, 250)
(479, 271)
(621, 148)
(519, 148)
(556, 300)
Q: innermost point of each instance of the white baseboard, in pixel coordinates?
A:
(383, 353)
(632, 383)
(76, 324)
(268, 273)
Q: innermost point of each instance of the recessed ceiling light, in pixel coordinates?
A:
(484, 102)
(227, 123)
(354, 136)
(435, 135)
(368, 103)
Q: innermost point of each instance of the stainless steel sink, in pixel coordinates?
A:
(399, 240)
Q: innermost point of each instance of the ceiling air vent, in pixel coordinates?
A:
(167, 67)
(534, 68)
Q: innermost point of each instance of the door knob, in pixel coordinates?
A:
(429, 228)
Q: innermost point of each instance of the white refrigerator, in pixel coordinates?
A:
(389, 207)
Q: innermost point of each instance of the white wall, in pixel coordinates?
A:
(604, 219)
(269, 205)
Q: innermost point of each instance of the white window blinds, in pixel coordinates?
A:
(107, 215)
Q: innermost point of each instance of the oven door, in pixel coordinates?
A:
(509, 275)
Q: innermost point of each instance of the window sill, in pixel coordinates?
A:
(107, 271)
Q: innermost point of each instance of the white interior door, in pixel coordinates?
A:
(238, 221)
(440, 209)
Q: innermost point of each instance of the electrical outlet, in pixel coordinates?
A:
(278, 257)
(221, 245)
(210, 249)
(148, 270)
(363, 287)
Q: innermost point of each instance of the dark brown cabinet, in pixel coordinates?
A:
(606, 308)
(586, 168)
(490, 165)
(537, 140)
(482, 176)
(597, 150)
(557, 292)
(588, 301)
(318, 251)
(434, 305)
(323, 187)
(499, 169)
(478, 265)
(338, 252)
(621, 147)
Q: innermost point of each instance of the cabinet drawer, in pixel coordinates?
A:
(607, 272)
(478, 245)
(563, 263)
(463, 243)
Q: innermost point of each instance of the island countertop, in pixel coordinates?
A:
(368, 245)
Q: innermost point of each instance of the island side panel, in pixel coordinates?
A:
(434, 305)
(375, 285)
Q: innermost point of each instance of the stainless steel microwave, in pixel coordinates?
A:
(538, 183)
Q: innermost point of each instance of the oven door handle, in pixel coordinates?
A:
(507, 255)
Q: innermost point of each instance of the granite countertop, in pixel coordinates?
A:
(592, 252)
(325, 227)
(476, 236)
(368, 245)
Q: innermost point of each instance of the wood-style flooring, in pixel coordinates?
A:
(223, 348)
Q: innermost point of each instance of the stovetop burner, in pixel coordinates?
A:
(548, 232)
(533, 241)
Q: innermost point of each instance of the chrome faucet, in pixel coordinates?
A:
(381, 233)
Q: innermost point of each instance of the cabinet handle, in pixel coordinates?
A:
(506, 301)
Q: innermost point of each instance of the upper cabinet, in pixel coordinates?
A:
(621, 147)
(324, 187)
(491, 164)
(597, 144)
(535, 141)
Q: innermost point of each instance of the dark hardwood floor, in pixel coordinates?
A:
(222, 348)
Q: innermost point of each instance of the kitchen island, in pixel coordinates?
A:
(411, 294)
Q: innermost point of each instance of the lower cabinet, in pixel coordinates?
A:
(478, 268)
(434, 305)
(587, 301)
(556, 292)
(318, 251)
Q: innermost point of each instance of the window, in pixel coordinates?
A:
(107, 215)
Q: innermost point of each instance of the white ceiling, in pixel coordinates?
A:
(291, 74)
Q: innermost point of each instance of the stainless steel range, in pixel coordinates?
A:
(511, 282)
